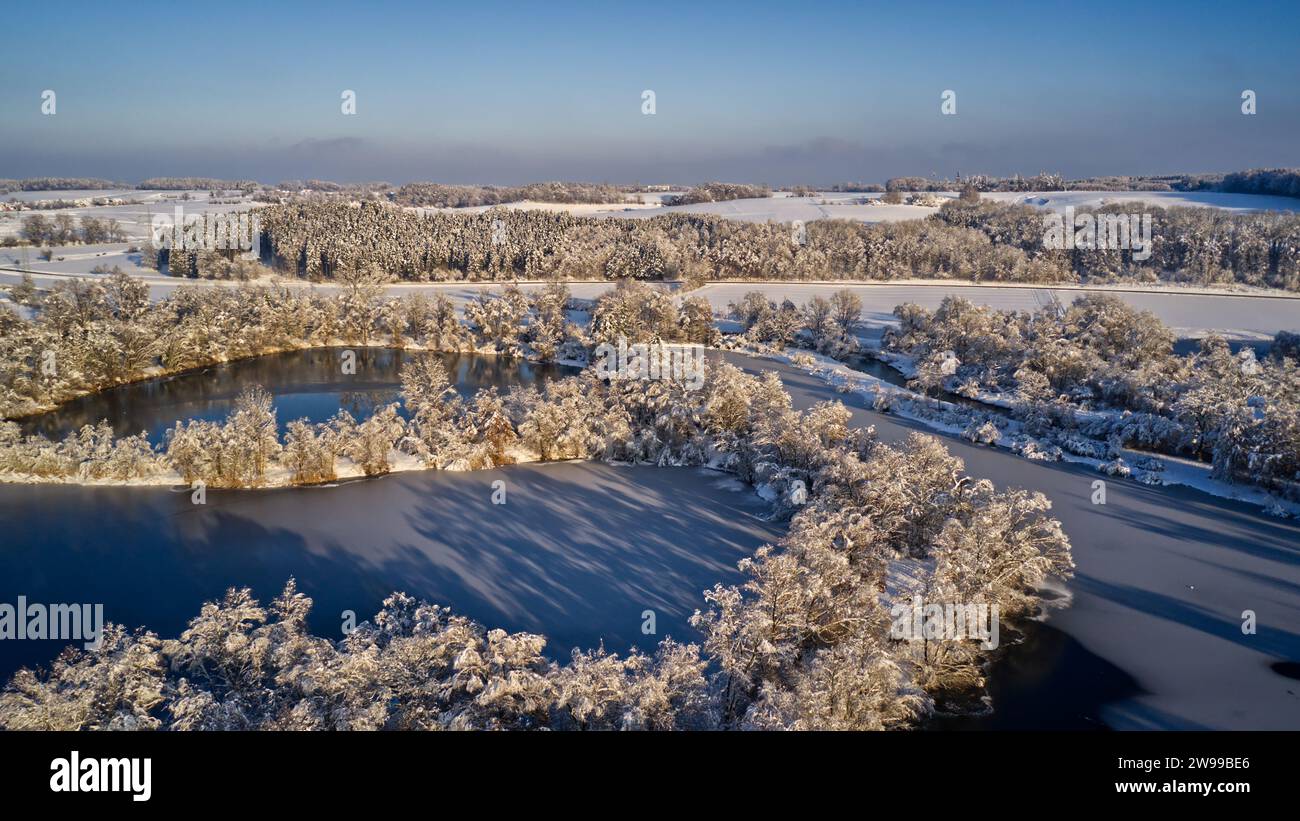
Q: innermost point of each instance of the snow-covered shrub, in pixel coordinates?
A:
(1031, 448)
(1080, 446)
(981, 431)
(1115, 467)
(1149, 463)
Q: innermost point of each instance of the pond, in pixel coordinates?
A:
(578, 552)
(308, 383)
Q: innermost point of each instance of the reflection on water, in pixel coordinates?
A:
(307, 384)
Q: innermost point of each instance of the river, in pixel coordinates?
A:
(1153, 634)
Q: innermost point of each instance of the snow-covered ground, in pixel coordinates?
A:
(1163, 471)
(635, 202)
(161, 286)
(781, 207)
(834, 205)
(135, 217)
(1059, 200)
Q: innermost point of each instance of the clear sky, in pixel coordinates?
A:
(782, 93)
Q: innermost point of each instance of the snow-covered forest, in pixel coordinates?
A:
(436, 195)
(1105, 370)
(966, 239)
(1089, 379)
(718, 192)
(803, 644)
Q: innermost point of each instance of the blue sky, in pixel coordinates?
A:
(782, 93)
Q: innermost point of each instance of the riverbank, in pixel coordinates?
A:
(953, 419)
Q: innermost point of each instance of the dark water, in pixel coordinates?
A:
(578, 552)
(886, 373)
(308, 384)
(1047, 681)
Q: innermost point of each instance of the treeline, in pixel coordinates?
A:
(60, 184)
(64, 229)
(1044, 181)
(976, 240)
(437, 195)
(198, 184)
(804, 643)
(326, 186)
(1040, 182)
(1201, 246)
(1280, 182)
(857, 187)
(718, 192)
(1109, 371)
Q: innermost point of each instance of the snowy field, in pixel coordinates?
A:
(1163, 576)
(635, 202)
(76, 259)
(1239, 203)
(831, 205)
(135, 217)
(781, 207)
(1190, 315)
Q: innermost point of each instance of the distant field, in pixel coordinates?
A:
(781, 207)
(1058, 200)
(135, 218)
(833, 205)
